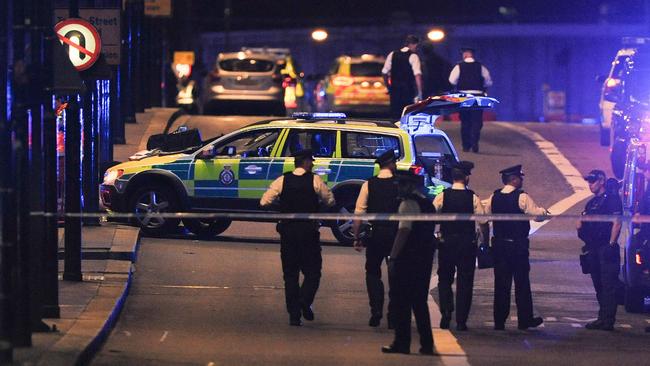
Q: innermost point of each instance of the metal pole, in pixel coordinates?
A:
(72, 265)
(227, 14)
(6, 237)
(89, 179)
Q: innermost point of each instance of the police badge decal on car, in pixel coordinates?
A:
(227, 176)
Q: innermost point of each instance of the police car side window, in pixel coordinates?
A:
(322, 143)
(362, 145)
(251, 144)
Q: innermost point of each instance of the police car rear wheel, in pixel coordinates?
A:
(206, 228)
(634, 299)
(149, 201)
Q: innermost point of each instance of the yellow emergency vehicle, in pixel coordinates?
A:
(231, 173)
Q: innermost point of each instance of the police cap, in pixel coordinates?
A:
(386, 157)
(513, 170)
(594, 175)
(301, 155)
(464, 166)
(411, 39)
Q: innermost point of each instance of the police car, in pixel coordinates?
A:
(230, 174)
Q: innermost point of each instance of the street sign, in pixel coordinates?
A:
(158, 8)
(81, 40)
(107, 21)
(184, 57)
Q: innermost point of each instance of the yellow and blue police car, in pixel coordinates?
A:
(231, 173)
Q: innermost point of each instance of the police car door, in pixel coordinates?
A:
(359, 150)
(238, 175)
(322, 142)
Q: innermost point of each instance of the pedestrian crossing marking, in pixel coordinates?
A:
(626, 326)
(550, 319)
(576, 325)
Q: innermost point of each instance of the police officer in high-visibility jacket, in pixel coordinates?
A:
(378, 195)
(510, 246)
(458, 246)
(300, 191)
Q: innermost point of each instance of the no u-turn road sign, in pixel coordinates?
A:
(81, 40)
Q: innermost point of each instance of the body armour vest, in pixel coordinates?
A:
(382, 198)
(470, 77)
(421, 237)
(503, 203)
(298, 195)
(401, 72)
(458, 201)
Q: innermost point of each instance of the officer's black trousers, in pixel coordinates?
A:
(511, 262)
(410, 277)
(456, 253)
(378, 249)
(471, 123)
(604, 268)
(400, 98)
(300, 252)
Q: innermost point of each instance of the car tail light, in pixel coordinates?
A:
(214, 76)
(417, 169)
(638, 258)
(342, 81)
(288, 81)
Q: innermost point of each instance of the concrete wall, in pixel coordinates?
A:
(521, 58)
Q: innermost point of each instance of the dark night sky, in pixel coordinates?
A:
(247, 14)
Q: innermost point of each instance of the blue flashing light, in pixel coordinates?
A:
(317, 115)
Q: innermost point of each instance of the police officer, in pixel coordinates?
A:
(299, 191)
(510, 246)
(458, 246)
(404, 71)
(470, 76)
(377, 195)
(602, 248)
(410, 266)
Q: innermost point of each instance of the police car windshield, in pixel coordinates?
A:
(246, 65)
(366, 69)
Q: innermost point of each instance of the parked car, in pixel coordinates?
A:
(621, 103)
(255, 77)
(231, 173)
(354, 85)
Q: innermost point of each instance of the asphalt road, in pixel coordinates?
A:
(221, 302)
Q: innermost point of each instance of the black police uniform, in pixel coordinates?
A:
(410, 276)
(511, 261)
(471, 120)
(457, 251)
(300, 249)
(604, 259)
(382, 198)
(403, 87)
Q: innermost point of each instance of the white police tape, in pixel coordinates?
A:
(273, 216)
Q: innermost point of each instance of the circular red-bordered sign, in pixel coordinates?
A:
(82, 41)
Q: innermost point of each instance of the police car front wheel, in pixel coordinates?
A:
(148, 202)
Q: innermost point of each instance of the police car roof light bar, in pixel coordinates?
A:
(317, 115)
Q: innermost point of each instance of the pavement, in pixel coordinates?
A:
(89, 309)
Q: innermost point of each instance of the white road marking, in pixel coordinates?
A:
(576, 325)
(452, 354)
(570, 173)
(550, 319)
(647, 321)
(626, 326)
(127, 333)
(164, 336)
(578, 320)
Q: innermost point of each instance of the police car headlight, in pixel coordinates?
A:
(112, 175)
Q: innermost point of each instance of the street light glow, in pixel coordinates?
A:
(319, 35)
(436, 35)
